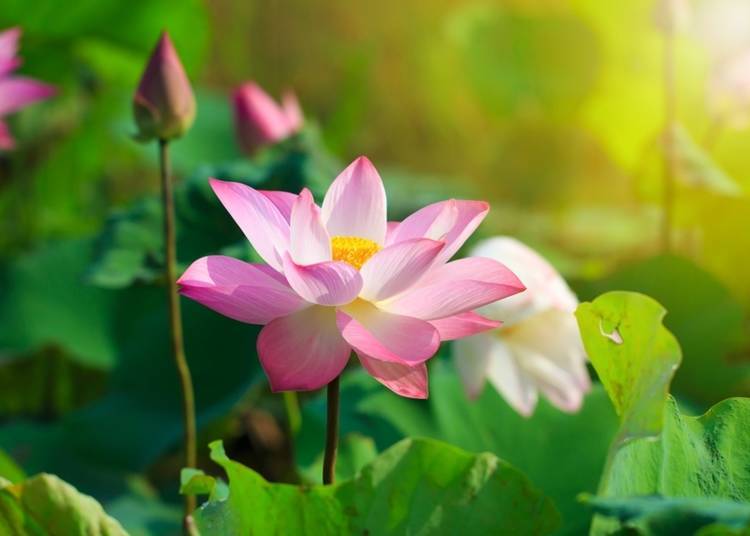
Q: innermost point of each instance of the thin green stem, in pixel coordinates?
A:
(670, 156)
(332, 432)
(175, 319)
(293, 414)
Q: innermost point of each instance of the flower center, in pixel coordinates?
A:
(353, 250)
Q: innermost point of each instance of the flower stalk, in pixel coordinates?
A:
(670, 154)
(332, 431)
(175, 318)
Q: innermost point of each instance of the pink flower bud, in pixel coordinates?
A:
(260, 120)
(164, 105)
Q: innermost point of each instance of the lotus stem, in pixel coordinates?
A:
(332, 432)
(670, 156)
(175, 318)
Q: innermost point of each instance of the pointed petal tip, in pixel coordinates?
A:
(216, 183)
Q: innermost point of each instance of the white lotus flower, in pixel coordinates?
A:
(538, 348)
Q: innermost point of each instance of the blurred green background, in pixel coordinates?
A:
(552, 110)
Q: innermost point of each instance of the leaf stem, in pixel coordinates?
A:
(175, 319)
(332, 432)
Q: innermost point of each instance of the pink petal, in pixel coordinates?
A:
(258, 119)
(395, 268)
(8, 49)
(403, 380)
(385, 336)
(309, 240)
(390, 228)
(451, 221)
(324, 283)
(260, 220)
(545, 287)
(6, 140)
(252, 293)
(292, 110)
(17, 92)
(164, 104)
(454, 288)
(355, 204)
(463, 325)
(282, 200)
(302, 351)
(433, 221)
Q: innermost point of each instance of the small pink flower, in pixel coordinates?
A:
(538, 348)
(260, 121)
(337, 279)
(16, 92)
(164, 105)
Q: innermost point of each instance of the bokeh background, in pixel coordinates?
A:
(552, 110)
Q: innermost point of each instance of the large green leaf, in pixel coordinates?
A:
(706, 456)
(704, 316)
(45, 505)
(634, 355)
(45, 304)
(418, 486)
(562, 454)
(654, 515)
(698, 457)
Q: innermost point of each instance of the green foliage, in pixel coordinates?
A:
(562, 454)
(79, 141)
(196, 482)
(45, 505)
(706, 319)
(704, 456)
(9, 471)
(47, 384)
(654, 515)
(634, 355)
(130, 248)
(418, 486)
(141, 395)
(515, 61)
(696, 169)
(45, 305)
(658, 450)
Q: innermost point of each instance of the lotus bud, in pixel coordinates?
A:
(164, 105)
(260, 120)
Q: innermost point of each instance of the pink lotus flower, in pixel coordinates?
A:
(15, 91)
(339, 277)
(538, 348)
(260, 121)
(164, 105)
